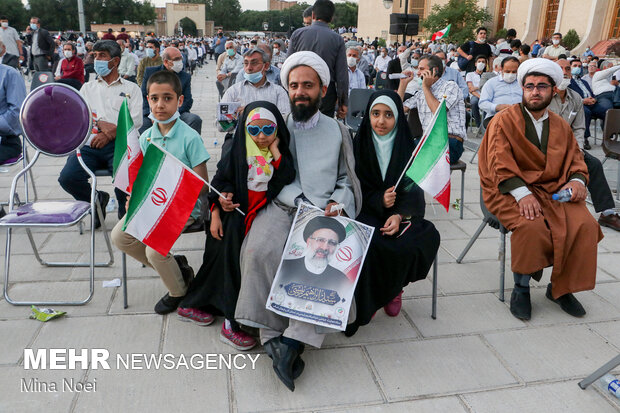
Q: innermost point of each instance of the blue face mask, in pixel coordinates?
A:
(33, 26)
(253, 77)
(101, 68)
(576, 71)
(150, 53)
(165, 122)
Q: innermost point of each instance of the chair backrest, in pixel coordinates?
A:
(382, 81)
(492, 219)
(611, 134)
(415, 126)
(56, 119)
(41, 78)
(358, 100)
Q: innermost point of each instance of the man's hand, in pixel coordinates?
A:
(407, 79)
(342, 112)
(391, 225)
(216, 229)
(589, 101)
(57, 78)
(221, 77)
(501, 107)
(108, 128)
(328, 210)
(529, 207)
(469, 57)
(579, 191)
(389, 197)
(227, 203)
(100, 140)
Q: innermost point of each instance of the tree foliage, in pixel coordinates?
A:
(571, 39)
(63, 14)
(188, 26)
(464, 15)
(346, 15)
(252, 20)
(224, 13)
(17, 14)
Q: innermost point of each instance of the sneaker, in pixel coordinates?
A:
(167, 304)
(610, 221)
(393, 307)
(567, 302)
(237, 339)
(195, 316)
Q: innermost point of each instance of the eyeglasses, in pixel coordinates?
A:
(542, 87)
(330, 242)
(255, 130)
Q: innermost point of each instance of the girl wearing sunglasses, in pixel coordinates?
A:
(256, 164)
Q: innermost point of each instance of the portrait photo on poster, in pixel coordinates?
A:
(319, 268)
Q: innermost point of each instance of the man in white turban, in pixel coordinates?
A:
(325, 176)
(528, 154)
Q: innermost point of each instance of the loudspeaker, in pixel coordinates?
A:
(401, 23)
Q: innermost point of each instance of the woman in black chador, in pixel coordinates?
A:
(404, 244)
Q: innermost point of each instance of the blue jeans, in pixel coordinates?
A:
(475, 110)
(456, 150)
(74, 179)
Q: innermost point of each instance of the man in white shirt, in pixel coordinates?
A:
(127, 67)
(10, 38)
(473, 83)
(382, 61)
(356, 77)
(555, 50)
(104, 95)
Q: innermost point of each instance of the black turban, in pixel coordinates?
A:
(317, 223)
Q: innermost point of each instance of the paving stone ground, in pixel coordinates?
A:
(475, 357)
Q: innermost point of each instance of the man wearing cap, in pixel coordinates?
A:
(521, 166)
(323, 157)
(322, 236)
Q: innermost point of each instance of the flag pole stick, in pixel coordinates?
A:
(195, 174)
(417, 149)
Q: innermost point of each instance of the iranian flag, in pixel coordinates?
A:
(441, 33)
(430, 168)
(163, 197)
(348, 258)
(127, 154)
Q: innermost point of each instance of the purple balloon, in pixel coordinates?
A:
(56, 119)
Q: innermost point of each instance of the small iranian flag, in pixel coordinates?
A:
(430, 168)
(127, 154)
(349, 255)
(164, 194)
(441, 33)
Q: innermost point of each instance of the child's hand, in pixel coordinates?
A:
(273, 148)
(391, 225)
(227, 203)
(389, 197)
(216, 229)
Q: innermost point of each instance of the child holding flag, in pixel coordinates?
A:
(185, 144)
(404, 244)
(256, 164)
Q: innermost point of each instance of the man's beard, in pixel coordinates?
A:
(536, 107)
(316, 264)
(303, 113)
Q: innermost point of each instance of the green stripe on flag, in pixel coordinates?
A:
(433, 148)
(123, 126)
(143, 185)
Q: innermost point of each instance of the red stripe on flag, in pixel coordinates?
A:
(351, 272)
(443, 197)
(171, 223)
(134, 167)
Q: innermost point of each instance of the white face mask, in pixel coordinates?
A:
(177, 66)
(564, 84)
(68, 54)
(351, 61)
(5, 24)
(509, 77)
(383, 54)
(556, 42)
(480, 66)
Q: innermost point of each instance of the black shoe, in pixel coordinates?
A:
(520, 304)
(283, 357)
(298, 365)
(186, 270)
(586, 145)
(568, 303)
(2, 212)
(167, 304)
(104, 198)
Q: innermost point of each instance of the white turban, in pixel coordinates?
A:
(305, 58)
(540, 65)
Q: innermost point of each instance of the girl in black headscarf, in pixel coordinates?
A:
(255, 165)
(404, 244)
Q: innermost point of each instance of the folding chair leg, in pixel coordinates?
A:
(434, 305)
(474, 155)
(124, 265)
(462, 192)
(502, 264)
(604, 369)
(471, 241)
